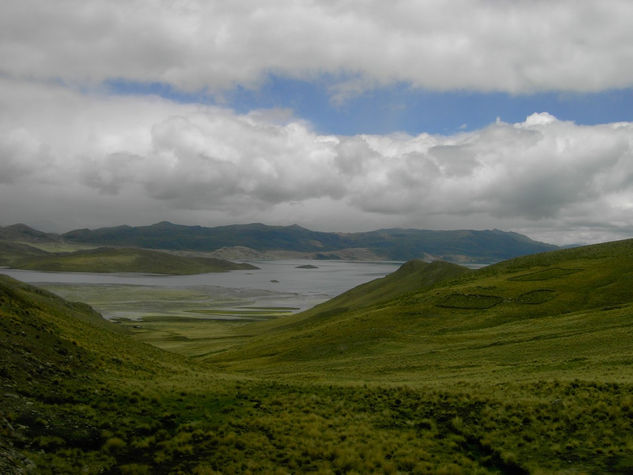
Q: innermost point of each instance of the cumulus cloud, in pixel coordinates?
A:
(518, 46)
(92, 160)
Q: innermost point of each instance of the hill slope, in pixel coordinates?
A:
(58, 361)
(413, 276)
(510, 369)
(23, 233)
(393, 244)
(11, 252)
(528, 317)
(126, 260)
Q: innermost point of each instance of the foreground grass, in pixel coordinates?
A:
(517, 368)
(196, 423)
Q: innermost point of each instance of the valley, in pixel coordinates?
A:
(523, 366)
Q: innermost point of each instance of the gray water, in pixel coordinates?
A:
(330, 278)
(275, 283)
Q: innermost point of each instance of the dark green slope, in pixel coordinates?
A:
(522, 318)
(59, 362)
(127, 260)
(41, 331)
(394, 244)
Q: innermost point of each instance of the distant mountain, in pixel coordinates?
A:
(22, 232)
(465, 246)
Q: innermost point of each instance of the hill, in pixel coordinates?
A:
(23, 233)
(521, 367)
(392, 244)
(126, 260)
(58, 361)
(412, 276)
(511, 320)
(12, 252)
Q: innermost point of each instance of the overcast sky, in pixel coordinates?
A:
(336, 115)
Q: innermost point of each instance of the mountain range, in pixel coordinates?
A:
(260, 240)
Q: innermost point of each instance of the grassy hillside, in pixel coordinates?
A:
(23, 233)
(412, 276)
(528, 317)
(522, 367)
(11, 252)
(126, 260)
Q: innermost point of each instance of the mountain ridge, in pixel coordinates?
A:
(467, 246)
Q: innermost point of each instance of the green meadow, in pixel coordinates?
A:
(188, 320)
(520, 367)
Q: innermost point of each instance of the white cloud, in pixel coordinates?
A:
(90, 160)
(518, 46)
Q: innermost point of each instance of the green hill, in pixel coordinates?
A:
(23, 233)
(12, 252)
(59, 361)
(412, 276)
(521, 367)
(126, 260)
(522, 318)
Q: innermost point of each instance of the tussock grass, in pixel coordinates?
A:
(541, 382)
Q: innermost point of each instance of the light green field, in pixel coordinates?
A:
(191, 321)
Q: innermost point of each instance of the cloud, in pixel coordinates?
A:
(485, 45)
(91, 160)
(21, 152)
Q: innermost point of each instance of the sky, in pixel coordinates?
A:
(345, 115)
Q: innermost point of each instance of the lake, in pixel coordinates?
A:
(280, 285)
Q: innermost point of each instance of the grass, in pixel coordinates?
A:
(480, 324)
(540, 382)
(191, 320)
(12, 252)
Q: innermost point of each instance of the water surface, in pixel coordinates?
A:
(276, 284)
